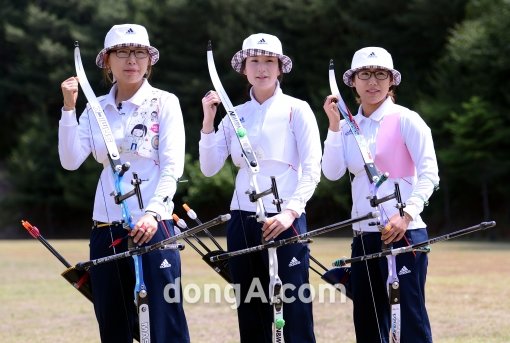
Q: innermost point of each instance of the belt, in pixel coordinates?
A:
(356, 233)
(97, 224)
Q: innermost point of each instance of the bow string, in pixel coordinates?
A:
(275, 284)
(375, 179)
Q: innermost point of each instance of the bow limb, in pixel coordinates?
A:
(118, 168)
(373, 174)
(370, 168)
(275, 283)
(392, 281)
(275, 286)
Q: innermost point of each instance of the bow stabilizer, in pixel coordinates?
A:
(164, 244)
(275, 284)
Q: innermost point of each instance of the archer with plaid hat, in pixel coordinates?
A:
(285, 138)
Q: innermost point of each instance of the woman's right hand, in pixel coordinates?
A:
(70, 92)
(210, 103)
(331, 109)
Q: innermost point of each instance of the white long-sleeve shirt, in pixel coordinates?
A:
(160, 113)
(284, 135)
(341, 153)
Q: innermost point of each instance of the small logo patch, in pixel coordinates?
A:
(294, 262)
(165, 264)
(262, 41)
(404, 271)
(372, 54)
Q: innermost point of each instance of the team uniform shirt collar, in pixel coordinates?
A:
(137, 99)
(378, 114)
(277, 92)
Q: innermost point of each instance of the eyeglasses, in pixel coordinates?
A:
(367, 74)
(125, 53)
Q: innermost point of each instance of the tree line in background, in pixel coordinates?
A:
(454, 56)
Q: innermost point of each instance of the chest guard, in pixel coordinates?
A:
(391, 154)
(270, 135)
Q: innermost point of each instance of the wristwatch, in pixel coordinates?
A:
(156, 216)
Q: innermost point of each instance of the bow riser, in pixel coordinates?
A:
(261, 215)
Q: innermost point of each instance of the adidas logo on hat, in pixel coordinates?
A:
(371, 56)
(294, 262)
(164, 264)
(126, 35)
(404, 271)
(262, 44)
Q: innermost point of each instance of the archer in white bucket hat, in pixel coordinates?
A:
(371, 57)
(124, 36)
(403, 149)
(261, 44)
(286, 142)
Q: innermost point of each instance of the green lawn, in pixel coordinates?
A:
(468, 295)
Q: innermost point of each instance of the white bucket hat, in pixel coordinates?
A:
(371, 57)
(127, 35)
(261, 44)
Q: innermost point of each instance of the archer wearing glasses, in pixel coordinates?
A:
(401, 144)
(126, 53)
(154, 146)
(379, 74)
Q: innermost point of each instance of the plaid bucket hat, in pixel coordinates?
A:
(371, 57)
(261, 44)
(127, 36)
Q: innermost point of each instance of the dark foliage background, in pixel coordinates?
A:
(454, 56)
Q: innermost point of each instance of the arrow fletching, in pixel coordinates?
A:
(32, 230)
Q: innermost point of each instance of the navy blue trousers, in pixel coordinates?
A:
(113, 289)
(256, 316)
(412, 273)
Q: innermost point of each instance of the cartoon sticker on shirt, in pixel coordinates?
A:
(142, 130)
(138, 132)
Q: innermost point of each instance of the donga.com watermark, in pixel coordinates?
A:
(208, 293)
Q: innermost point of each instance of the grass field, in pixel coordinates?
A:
(468, 295)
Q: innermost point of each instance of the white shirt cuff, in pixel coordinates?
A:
(68, 118)
(334, 138)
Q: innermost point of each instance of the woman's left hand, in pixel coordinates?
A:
(396, 228)
(277, 224)
(145, 228)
